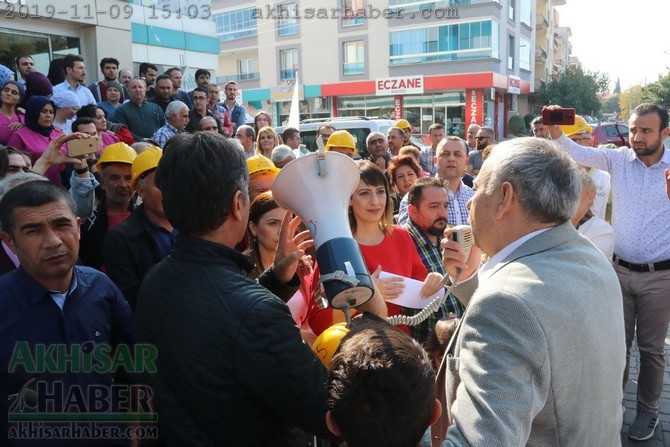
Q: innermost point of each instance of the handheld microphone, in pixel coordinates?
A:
(463, 235)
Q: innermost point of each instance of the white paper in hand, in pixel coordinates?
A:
(410, 296)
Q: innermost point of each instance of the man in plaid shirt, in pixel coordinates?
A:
(428, 209)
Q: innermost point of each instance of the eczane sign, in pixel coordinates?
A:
(399, 86)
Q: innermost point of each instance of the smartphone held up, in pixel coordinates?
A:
(84, 146)
(559, 117)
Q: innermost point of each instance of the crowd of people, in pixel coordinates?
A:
(168, 235)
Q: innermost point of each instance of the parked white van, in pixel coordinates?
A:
(358, 126)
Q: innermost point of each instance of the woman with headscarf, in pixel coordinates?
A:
(114, 95)
(38, 131)
(10, 120)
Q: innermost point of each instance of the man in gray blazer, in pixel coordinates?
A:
(540, 352)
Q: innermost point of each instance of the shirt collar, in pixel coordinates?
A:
(35, 291)
(487, 269)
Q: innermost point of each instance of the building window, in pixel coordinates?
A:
(525, 12)
(510, 53)
(352, 12)
(246, 69)
(288, 22)
(524, 54)
(354, 58)
(288, 61)
(473, 40)
(511, 9)
(235, 24)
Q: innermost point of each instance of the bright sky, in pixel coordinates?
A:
(626, 39)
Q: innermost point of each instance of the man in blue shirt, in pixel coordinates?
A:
(59, 321)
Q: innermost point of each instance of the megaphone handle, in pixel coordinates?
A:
(347, 315)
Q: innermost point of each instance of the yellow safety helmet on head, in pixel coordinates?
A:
(403, 124)
(260, 163)
(580, 126)
(341, 138)
(116, 153)
(146, 161)
(328, 341)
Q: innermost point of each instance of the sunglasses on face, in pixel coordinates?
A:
(481, 138)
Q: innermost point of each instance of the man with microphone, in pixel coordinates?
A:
(539, 354)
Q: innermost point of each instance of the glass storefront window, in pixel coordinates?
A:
(42, 47)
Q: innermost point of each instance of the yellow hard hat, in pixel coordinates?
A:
(117, 153)
(144, 162)
(260, 163)
(403, 124)
(341, 138)
(580, 126)
(327, 343)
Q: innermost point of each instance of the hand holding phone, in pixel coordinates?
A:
(561, 117)
(85, 146)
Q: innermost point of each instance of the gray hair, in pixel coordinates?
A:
(174, 108)
(372, 135)
(545, 178)
(15, 180)
(281, 153)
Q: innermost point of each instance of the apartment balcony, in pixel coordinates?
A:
(540, 55)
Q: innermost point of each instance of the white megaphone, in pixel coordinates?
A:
(317, 187)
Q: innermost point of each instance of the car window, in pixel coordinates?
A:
(623, 129)
(610, 131)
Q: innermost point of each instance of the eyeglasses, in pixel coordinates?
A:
(481, 138)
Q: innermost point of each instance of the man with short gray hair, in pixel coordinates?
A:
(540, 352)
(177, 118)
(376, 145)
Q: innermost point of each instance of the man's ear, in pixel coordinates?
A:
(238, 204)
(412, 210)
(7, 239)
(507, 198)
(437, 412)
(332, 425)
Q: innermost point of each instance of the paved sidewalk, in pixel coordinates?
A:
(662, 435)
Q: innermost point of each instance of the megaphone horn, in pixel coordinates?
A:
(320, 197)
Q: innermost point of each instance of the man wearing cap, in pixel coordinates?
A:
(146, 237)
(580, 133)
(406, 128)
(342, 142)
(109, 67)
(115, 179)
(640, 216)
(177, 117)
(282, 155)
(75, 74)
(262, 172)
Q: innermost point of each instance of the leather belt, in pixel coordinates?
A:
(649, 267)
